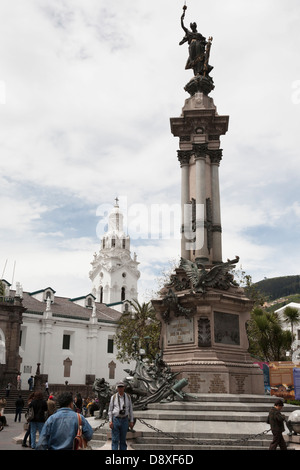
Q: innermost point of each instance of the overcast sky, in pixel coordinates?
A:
(87, 89)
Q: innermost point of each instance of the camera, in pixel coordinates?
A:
(122, 412)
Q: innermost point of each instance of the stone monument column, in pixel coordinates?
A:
(203, 312)
(199, 129)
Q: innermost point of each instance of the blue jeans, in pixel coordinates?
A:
(118, 433)
(34, 427)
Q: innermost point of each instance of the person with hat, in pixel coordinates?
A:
(276, 420)
(120, 414)
(51, 404)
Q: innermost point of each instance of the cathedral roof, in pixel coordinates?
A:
(65, 307)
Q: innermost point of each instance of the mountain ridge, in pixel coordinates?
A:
(278, 287)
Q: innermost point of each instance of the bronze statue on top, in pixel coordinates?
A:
(199, 51)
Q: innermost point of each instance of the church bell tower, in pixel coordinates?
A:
(114, 272)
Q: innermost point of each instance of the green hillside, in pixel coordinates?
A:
(278, 287)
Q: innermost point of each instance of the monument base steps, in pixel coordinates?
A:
(203, 422)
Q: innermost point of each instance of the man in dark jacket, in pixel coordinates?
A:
(276, 420)
(19, 407)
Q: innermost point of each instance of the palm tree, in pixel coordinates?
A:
(137, 329)
(291, 315)
(267, 339)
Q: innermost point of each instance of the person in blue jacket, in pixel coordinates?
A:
(61, 428)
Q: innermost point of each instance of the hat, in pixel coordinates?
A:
(120, 384)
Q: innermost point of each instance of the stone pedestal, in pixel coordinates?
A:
(203, 337)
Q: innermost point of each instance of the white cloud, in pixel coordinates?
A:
(18, 215)
(90, 88)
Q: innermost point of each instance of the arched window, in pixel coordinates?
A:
(101, 295)
(113, 242)
(123, 293)
(48, 295)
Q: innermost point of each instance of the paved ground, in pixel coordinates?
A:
(11, 431)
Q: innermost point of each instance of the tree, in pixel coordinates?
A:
(137, 329)
(291, 315)
(268, 341)
(251, 290)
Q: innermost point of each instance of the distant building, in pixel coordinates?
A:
(73, 338)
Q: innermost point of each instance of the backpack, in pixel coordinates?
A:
(80, 443)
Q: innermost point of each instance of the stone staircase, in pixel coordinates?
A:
(207, 422)
(11, 400)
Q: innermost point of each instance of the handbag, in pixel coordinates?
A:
(80, 443)
(29, 415)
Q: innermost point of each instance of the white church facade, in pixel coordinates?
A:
(72, 339)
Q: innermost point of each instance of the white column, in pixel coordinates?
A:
(186, 222)
(201, 234)
(215, 157)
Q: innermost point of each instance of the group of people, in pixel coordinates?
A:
(57, 424)
(54, 420)
(58, 430)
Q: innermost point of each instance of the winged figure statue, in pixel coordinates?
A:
(217, 277)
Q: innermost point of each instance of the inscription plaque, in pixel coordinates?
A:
(180, 331)
(227, 330)
(217, 384)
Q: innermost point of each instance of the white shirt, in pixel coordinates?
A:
(116, 404)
